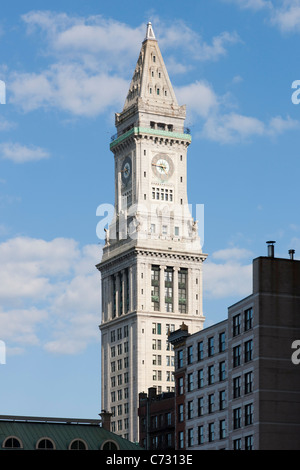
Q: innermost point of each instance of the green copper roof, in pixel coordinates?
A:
(61, 433)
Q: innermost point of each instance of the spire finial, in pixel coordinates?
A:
(149, 32)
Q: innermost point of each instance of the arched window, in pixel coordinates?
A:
(12, 442)
(45, 443)
(109, 445)
(78, 444)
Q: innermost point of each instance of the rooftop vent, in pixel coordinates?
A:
(291, 253)
(270, 249)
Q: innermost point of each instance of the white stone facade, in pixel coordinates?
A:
(151, 269)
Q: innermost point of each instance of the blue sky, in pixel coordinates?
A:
(67, 67)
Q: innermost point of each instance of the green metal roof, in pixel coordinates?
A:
(62, 432)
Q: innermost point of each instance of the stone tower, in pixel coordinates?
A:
(151, 269)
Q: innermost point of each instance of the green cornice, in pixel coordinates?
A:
(155, 132)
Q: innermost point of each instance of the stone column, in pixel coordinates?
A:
(123, 291)
(117, 281)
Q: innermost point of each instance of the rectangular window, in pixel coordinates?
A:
(237, 416)
(211, 348)
(248, 350)
(249, 443)
(236, 325)
(248, 382)
(200, 378)
(200, 350)
(222, 400)
(211, 375)
(176, 231)
(180, 413)
(222, 371)
(180, 386)
(211, 432)
(222, 429)
(211, 403)
(200, 406)
(248, 414)
(190, 437)
(180, 358)
(200, 435)
(181, 440)
(190, 409)
(248, 319)
(156, 328)
(237, 444)
(237, 387)
(190, 354)
(190, 382)
(237, 356)
(222, 345)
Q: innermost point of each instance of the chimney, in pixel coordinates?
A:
(291, 253)
(151, 392)
(105, 419)
(271, 249)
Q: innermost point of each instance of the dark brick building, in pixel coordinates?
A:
(157, 420)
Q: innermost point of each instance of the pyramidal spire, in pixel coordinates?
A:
(150, 82)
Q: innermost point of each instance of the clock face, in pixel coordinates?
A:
(162, 166)
(126, 170)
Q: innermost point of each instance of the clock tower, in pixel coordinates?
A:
(151, 268)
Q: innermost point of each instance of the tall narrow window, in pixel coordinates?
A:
(248, 319)
(236, 325)
(155, 287)
(182, 290)
(169, 289)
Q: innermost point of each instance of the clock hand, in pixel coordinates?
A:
(160, 166)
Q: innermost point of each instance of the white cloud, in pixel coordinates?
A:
(284, 14)
(178, 35)
(50, 294)
(91, 54)
(4, 124)
(232, 254)
(287, 17)
(234, 127)
(199, 97)
(229, 276)
(21, 153)
(20, 326)
(68, 87)
(251, 4)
